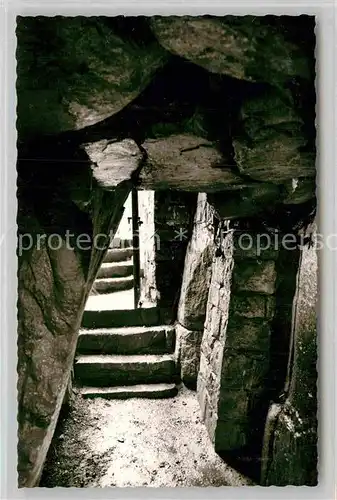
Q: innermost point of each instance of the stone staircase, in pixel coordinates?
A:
(124, 353)
(116, 272)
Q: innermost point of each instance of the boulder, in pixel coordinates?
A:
(271, 144)
(247, 48)
(76, 71)
(113, 162)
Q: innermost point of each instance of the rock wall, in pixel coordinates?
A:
(194, 292)
(290, 442)
(60, 249)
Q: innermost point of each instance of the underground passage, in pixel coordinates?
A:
(167, 267)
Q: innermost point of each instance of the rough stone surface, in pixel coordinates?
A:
(237, 46)
(253, 306)
(189, 355)
(290, 443)
(272, 145)
(148, 391)
(62, 89)
(259, 277)
(209, 377)
(103, 317)
(197, 268)
(230, 112)
(246, 202)
(127, 340)
(54, 280)
(261, 246)
(108, 370)
(187, 163)
(113, 162)
(300, 191)
(235, 362)
(116, 444)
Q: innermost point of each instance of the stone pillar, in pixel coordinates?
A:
(147, 247)
(194, 292)
(235, 347)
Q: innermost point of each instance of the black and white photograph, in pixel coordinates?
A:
(167, 244)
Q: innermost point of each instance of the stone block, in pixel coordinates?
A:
(197, 269)
(189, 343)
(259, 277)
(244, 334)
(253, 306)
(251, 245)
(246, 371)
(195, 287)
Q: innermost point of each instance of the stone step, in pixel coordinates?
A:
(118, 254)
(149, 391)
(110, 370)
(106, 318)
(108, 285)
(115, 269)
(127, 340)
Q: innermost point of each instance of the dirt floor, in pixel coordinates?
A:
(137, 442)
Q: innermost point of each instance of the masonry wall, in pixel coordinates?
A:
(236, 342)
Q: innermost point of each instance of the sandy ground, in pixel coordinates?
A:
(138, 442)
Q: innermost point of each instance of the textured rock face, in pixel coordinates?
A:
(189, 355)
(213, 340)
(197, 268)
(55, 276)
(76, 71)
(113, 163)
(194, 292)
(187, 163)
(237, 46)
(290, 443)
(272, 146)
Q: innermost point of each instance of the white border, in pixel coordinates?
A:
(326, 85)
